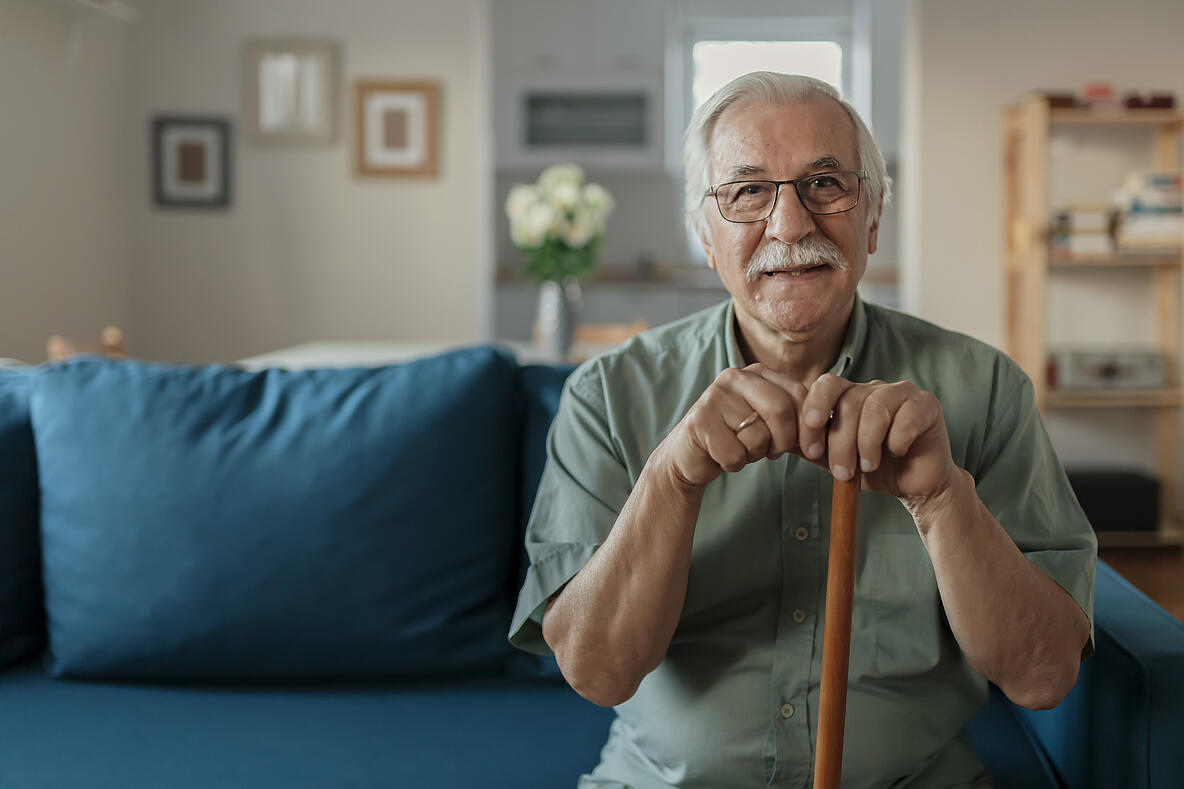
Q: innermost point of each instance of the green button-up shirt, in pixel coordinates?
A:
(735, 702)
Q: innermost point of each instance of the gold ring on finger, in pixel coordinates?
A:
(749, 420)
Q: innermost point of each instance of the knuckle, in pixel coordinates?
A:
(783, 412)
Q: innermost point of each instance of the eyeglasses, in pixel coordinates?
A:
(821, 193)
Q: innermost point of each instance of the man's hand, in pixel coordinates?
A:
(895, 432)
(707, 443)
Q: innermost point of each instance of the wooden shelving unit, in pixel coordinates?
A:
(1028, 127)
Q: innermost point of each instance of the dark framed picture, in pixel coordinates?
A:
(191, 161)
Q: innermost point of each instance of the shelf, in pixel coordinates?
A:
(1087, 117)
(1164, 538)
(1116, 261)
(1115, 398)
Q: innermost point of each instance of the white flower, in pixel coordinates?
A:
(579, 233)
(597, 199)
(565, 196)
(530, 229)
(520, 199)
(558, 174)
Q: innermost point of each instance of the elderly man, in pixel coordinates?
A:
(678, 540)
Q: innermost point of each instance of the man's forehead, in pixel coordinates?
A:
(824, 162)
(810, 135)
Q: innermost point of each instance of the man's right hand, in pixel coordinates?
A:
(706, 443)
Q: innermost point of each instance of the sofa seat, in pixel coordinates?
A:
(478, 733)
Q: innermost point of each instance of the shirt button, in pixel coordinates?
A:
(802, 533)
(799, 616)
(786, 710)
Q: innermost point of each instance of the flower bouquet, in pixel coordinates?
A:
(558, 223)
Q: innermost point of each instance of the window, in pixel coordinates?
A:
(716, 63)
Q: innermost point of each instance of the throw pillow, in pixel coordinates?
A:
(22, 618)
(214, 523)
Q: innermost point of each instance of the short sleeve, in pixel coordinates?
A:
(1022, 482)
(584, 485)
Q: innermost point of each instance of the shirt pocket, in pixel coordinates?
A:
(907, 606)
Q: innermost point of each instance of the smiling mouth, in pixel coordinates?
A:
(797, 271)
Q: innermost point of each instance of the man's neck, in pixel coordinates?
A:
(802, 357)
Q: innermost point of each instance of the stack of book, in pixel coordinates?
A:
(1082, 230)
(1152, 213)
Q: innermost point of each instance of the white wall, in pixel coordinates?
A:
(966, 61)
(63, 175)
(308, 250)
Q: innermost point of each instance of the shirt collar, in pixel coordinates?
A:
(852, 347)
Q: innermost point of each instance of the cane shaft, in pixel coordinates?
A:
(836, 634)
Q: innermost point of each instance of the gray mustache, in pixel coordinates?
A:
(778, 256)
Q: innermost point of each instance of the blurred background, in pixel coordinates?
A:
(296, 240)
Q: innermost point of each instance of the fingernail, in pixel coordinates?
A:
(865, 464)
(841, 473)
(814, 451)
(815, 418)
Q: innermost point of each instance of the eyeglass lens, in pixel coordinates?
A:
(824, 193)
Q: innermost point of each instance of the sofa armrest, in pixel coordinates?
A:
(1122, 723)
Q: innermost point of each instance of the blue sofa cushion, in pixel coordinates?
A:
(22, 618)
(459, 734)
(214, 523)
(540, 387)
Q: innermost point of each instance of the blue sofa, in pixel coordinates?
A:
(218, 578)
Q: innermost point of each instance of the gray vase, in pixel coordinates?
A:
(559, 308)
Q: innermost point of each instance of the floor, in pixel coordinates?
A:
(1157, 572)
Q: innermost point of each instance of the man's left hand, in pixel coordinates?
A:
(896, 433)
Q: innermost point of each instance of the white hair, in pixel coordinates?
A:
(769, 87)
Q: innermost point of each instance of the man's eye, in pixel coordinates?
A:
(824, 182)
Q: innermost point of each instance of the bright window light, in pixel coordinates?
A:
(719, 62)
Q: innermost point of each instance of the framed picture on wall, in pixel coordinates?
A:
(191, 161)
(292, 88)
(396, 128)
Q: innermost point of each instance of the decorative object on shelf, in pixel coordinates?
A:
(109, 343)
(191, 161)
(396, 128)
(1083, 229)
(292, 88)
(1151, 222)
(1149, 100)
(1115, 368)
(558, 223)
(1100, 96)
(1117, 499)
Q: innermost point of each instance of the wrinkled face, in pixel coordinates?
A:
(792, 295)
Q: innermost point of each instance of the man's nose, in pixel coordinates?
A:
(790, 221)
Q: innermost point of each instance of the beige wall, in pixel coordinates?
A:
(63, 175)
(309, 251)
(965, 61)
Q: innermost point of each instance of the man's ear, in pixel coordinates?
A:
(873, 233)
(707, 248)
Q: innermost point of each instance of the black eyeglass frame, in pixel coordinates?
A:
(712, 192)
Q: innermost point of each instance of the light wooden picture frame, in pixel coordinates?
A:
(396, 128)
(292, 89)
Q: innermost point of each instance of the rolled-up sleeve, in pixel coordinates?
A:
(584, 485)
(1022, 482)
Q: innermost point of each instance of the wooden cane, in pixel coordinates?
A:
(836, 634)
